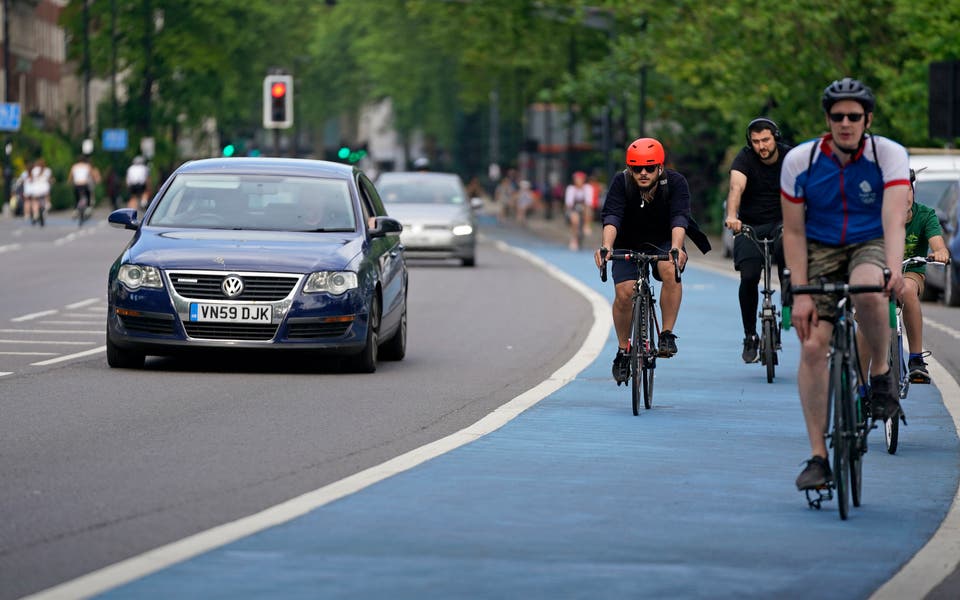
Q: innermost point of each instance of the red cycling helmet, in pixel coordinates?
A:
(645, 151)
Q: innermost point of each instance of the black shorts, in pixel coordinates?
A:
(137, 188)
(744, 249)
(630, 271)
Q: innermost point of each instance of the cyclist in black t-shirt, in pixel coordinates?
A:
(754, 199)
(648, 210)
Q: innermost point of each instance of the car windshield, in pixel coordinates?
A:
(413, 189)
(936, 193)
(266, 202)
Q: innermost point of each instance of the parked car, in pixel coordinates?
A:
(938, 186)
(260, 253)
(438, 219)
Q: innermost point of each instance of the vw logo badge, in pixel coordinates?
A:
(232, 286)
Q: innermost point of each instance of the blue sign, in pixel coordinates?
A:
(115, 140)
(9, 116)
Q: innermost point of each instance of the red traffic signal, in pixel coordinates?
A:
(277, 101)
(278, 89)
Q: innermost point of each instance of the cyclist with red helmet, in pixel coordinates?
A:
(647, 210)
(844, 200)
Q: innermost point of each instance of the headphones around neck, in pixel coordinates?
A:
(765, 121)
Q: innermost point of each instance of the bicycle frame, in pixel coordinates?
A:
(770, 328)
(850, 410)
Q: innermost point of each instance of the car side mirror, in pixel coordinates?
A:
(125, 218)
(384, 226)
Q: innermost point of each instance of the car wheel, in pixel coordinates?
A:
(366, 361)
(120, 358)
(951, 286)
(469, 262)
(396, 347)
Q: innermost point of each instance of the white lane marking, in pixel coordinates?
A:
(73, 236)
(28, 353)
(9, 248)
(31, 316)
(164, 556)
(66, 357)
(80, 322)
(5, 373)
(941, 555)
(940, 326)
(82, 303)
(38, 342)
(58, 331)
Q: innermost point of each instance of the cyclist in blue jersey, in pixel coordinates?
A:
(844, 200)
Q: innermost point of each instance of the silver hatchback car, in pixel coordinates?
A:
(438, 219)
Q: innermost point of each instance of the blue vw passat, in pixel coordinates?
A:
(260, 253)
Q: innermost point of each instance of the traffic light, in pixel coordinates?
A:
(229, 150)
(277, 101)
(351, 155)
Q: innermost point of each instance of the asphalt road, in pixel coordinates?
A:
(98, 464)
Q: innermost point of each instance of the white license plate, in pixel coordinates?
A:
(234, 313)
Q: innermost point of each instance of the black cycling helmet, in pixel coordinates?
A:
(848, 88)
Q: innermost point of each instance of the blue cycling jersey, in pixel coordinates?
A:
(843, 202)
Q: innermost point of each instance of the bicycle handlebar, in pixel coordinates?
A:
(831, 288)
(922, 260)
(751, 233)
(638, 258)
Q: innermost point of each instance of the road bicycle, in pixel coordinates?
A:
(644, 325)
(769, 315)
(898, 363)
(84, 207)
(849, 409)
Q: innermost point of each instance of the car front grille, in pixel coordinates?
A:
(316, 329)
(206, 286)
(231, 331)
(162, 325)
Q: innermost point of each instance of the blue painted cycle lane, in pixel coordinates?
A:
(577, 498)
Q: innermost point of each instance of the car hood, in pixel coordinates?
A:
(429, 213)
(277, 251)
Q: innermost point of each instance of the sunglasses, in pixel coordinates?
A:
(644, 168)
(837, 117)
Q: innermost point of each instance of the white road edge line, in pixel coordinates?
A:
(159, 558)
(35, 315)
(940, 556)
(67, 357)
(5, 373)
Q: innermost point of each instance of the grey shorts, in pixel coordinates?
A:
(835, 263)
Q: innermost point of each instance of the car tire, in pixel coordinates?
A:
(120, 358)
(396, 347)
(951, 286)
(366, 361)
(469, 262)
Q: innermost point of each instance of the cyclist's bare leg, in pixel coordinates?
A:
(574, 229)
(813, 380)
(913, 315)
(623, 311)
(671, 294)
(873, 317)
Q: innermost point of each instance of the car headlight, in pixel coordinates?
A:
(135, 277)
(331, 282)
(462, 229)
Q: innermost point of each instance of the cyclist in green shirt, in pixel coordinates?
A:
(924, 238)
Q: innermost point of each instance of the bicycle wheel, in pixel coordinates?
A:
(858, 427)
(838, 438)
(649, 362)
(891, 427)
(767, 346)
(636, 354)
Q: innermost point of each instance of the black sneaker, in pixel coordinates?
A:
(751, 344)
(621, 366)
(884, 400)
(918, 370)
(815, 475)
(668, 344)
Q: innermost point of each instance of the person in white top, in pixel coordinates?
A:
(138, 175)
(83, 176)
(578, 200)
(36, 191)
